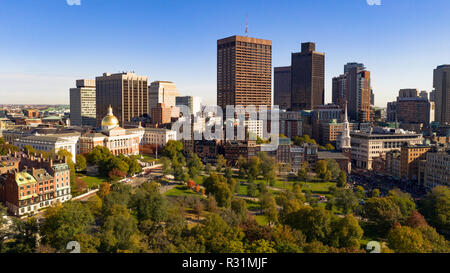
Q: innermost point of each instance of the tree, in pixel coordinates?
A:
(116, 174)
(25, 235)
(342, 179)
(119, 232)
(300, 140)
(288, 240)
(95, 205)
(321, 168)
(166, 165)
(178, 170)
(403, 239)
(120, 194)
(217, 237)
(104, 190)
(435, 207)
(195, 165)
(113, 163)
(228, 173)
(346, 232)
(149, 204)
(376, 193)
(315, 222)
(416, 220)
(344, 199)
(29, 149)
(239, 206)
(252, 190)
(63, 222)
(208, 169)
(269, 207)
(172, 149)
(438, 243)
(3, 225)
(221, 162)
(383, 212)
(98, 154)
(404, 201)
(88, 243)
(334, 168)
(80, 164)
(302, 173)
(329, 147)
(198, 207)
(328, 176)
(211, 205)
(134, 166)
(267, 167)
(217, 186)
(261, 246)
(243, 166)
(360, 192)
(262, 188)
(8, 148)
(253, 168)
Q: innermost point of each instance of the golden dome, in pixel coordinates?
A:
(110, 120)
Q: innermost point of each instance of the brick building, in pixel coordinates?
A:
(36, 184)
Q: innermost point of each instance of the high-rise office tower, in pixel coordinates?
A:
(441, 84)
(354, 87)
(282, 87)
(307, 78)
(411, 107)
(126, 92)
(244, 71)
(162, 92)
(82, 103)
(194, 103)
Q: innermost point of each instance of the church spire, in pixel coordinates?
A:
(345, 139)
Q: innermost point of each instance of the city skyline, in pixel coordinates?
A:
(41, 61)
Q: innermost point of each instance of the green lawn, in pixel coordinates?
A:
(317, 187)
(251, 205)
(261, 220)
(148, 159)
(180, 191)
(199, 179)
(243, 189)
(93, 181)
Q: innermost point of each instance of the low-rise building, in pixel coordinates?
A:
(156, 138)
(343, 160)
(435, 169)
(368, 145)
(207, 150)
(49, 143)
(393, 163)
(409, 160)
(234, 149)
(118, 140)
(36, 184)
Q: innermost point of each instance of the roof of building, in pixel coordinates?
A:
(24, 178)
(52, 118)
(330, 155)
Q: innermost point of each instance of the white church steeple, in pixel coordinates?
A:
(345, 139)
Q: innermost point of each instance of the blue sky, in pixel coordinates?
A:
(45, 45)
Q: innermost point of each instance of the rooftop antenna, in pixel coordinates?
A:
(246, 25)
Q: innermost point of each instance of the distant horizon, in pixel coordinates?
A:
(399, 42)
